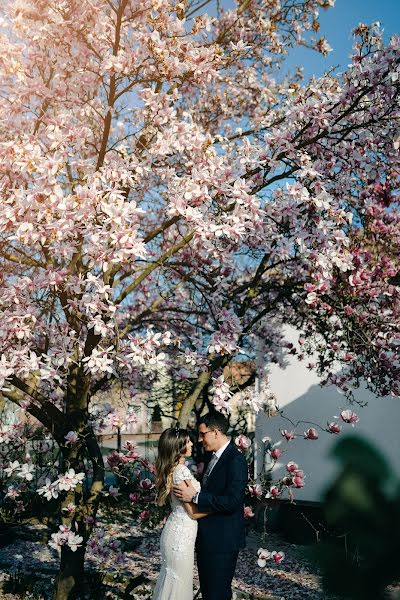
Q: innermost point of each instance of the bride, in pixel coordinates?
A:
(175, 581)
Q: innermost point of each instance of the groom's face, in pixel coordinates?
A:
(208, 437)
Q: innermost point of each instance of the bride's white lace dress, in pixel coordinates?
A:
(175, 581)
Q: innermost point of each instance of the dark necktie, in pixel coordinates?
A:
(210, 467)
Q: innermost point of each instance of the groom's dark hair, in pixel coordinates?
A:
(215, 420)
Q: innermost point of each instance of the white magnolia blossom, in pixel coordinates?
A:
(113, 492)
(14, 467)
(27, 471)
(5, 434)
(224, 340)
(70, 480)
(144, 350)
(263, 556)
(256, 401)
(221, 394)
(6, 369)
(64, 483)
(49, 490)
(99, 361)
(65, 537)
(71, 437)
(74, 541)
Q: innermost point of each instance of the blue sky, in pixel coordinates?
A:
(337, 24)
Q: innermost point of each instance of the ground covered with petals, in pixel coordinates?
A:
(293, 579)
(29, 559)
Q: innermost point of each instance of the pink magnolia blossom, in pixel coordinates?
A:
(288, 435)
(71, 438)
(311, 434)
(349, 416)
(255, 490)
(99, 361)
(275, 453)
(292, 467)
(146, 484)
(12, 492)
(264, 555)
(277, 557)
(273, 492)
(70, 508)
(248, 512)
(130, 445)
(221, 394)
(141, 235)
(224, 340)
(298, 479)
(114, 459)
(242, 442)
(334, 427)
(131, 456)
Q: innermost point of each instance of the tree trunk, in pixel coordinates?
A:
(190, 401)
(70, 579)
(70, 576)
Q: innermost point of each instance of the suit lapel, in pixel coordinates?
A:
(219, 465)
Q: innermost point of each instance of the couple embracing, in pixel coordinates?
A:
(208, 517)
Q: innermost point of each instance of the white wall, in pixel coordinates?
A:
(301, 398)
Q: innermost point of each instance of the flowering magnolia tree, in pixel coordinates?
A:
(168, 197)
(32, 469)
(265, 489)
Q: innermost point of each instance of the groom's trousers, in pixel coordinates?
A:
(216, 572)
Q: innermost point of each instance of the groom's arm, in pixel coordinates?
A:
(233, 497)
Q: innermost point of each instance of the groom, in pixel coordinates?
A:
(222, 533)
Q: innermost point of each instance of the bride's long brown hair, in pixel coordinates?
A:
(171, 447)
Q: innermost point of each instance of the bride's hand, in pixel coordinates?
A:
(184, 491)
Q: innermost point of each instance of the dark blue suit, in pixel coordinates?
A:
(221, 534)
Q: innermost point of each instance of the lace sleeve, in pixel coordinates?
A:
(181, 473)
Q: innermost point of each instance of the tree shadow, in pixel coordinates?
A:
(378, 422)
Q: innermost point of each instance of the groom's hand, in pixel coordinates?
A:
(184, 491)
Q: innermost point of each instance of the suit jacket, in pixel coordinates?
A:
(223, 496)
